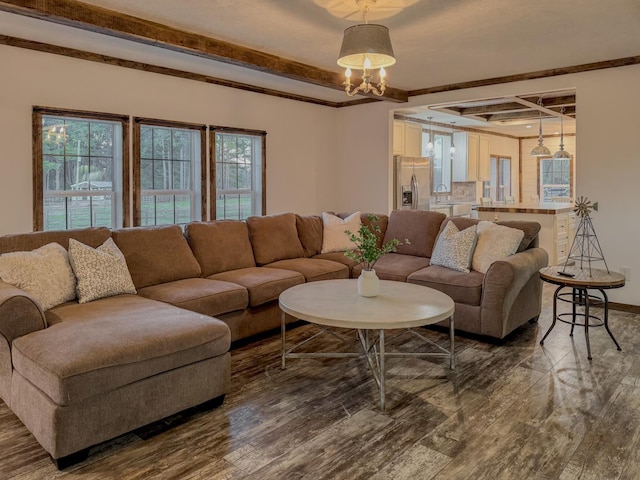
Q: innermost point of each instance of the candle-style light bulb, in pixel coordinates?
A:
(347, 73)
(367, 63)
(383, 73)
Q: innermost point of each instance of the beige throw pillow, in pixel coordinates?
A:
(495, 242)
(101, 272)
(44, 273)
(454, 248)
(333, 237)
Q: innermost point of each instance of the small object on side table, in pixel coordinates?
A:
(581, 281)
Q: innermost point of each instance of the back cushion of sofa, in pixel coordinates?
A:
(530, 229)
(220, 245)
(382, 223)
(420, 227)
(23, 242)
(310, 233)
(156, 254)
(274, 237)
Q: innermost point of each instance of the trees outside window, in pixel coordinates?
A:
(556, 179)
(238, 171)
(78, 164)
(168, 169)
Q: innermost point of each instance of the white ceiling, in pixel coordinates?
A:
(436, 42)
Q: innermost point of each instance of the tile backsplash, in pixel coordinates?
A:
(464, 191)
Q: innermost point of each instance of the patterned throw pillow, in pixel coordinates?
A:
(101, 272)
(454, 248)
(495, 242)
(333, 237)
(44, 273)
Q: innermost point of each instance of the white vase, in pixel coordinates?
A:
(368, 283)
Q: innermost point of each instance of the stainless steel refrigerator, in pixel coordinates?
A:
(412, 183)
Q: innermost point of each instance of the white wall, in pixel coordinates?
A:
(301, 147)
(608, 141)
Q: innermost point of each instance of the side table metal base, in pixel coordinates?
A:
(580, 296)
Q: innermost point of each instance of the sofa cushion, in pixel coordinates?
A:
(495, 242)
(313, 269)
(339, 257)
(156, 254)
(274, 237)
(310, 233)
(454, 248)
(101, 272)
(263, 284)
(420, 227)
(530, 229)
(124, 339)
(334, 228)
(382, 222)
(44, 273)
(30, 241)
(463, 288)
(394, 266)
(220, 245)
(209, 297)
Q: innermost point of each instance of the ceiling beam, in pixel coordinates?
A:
(76, 14)
(540, 107)
(569, 114)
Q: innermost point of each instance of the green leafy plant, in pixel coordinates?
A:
(365, 240)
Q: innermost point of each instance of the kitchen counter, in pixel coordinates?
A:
(550, 208)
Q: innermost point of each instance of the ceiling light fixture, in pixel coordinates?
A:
(366, 47)
(453, 146)
(561, 154)
(430, 142)
(540, 150)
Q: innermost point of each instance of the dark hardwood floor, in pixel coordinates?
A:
(511, 411)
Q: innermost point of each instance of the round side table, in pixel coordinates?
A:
(580, 281)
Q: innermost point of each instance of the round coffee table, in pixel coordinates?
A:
(336, 303)
(581, 281)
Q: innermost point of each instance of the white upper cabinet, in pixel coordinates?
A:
(471, 162)
(407, 139)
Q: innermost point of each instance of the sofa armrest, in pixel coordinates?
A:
(504, 281)
(19, 313)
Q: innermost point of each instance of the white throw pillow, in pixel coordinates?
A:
(101, 272)
(333, 237)
(454, 248)
(495, 242)
(44, 273)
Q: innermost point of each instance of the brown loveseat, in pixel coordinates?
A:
(79, 374)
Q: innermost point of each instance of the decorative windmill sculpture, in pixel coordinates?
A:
(585, 247)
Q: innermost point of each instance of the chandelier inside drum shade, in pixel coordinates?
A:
(366, 47)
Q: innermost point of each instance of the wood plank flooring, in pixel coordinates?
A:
(511, 411)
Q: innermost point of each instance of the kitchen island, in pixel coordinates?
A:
(556, 219)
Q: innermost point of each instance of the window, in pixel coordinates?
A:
(78, 164)
(441, 160)
(556, 179)
(499, 184)
(239, 173)
(169, 172)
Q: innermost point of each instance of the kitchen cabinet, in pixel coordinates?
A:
(472, 159)
(407, 139)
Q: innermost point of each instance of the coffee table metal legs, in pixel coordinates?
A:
(375, 352)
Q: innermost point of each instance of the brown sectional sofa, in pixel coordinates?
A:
(79, 374)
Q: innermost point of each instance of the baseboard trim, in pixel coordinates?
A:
(624, 307)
